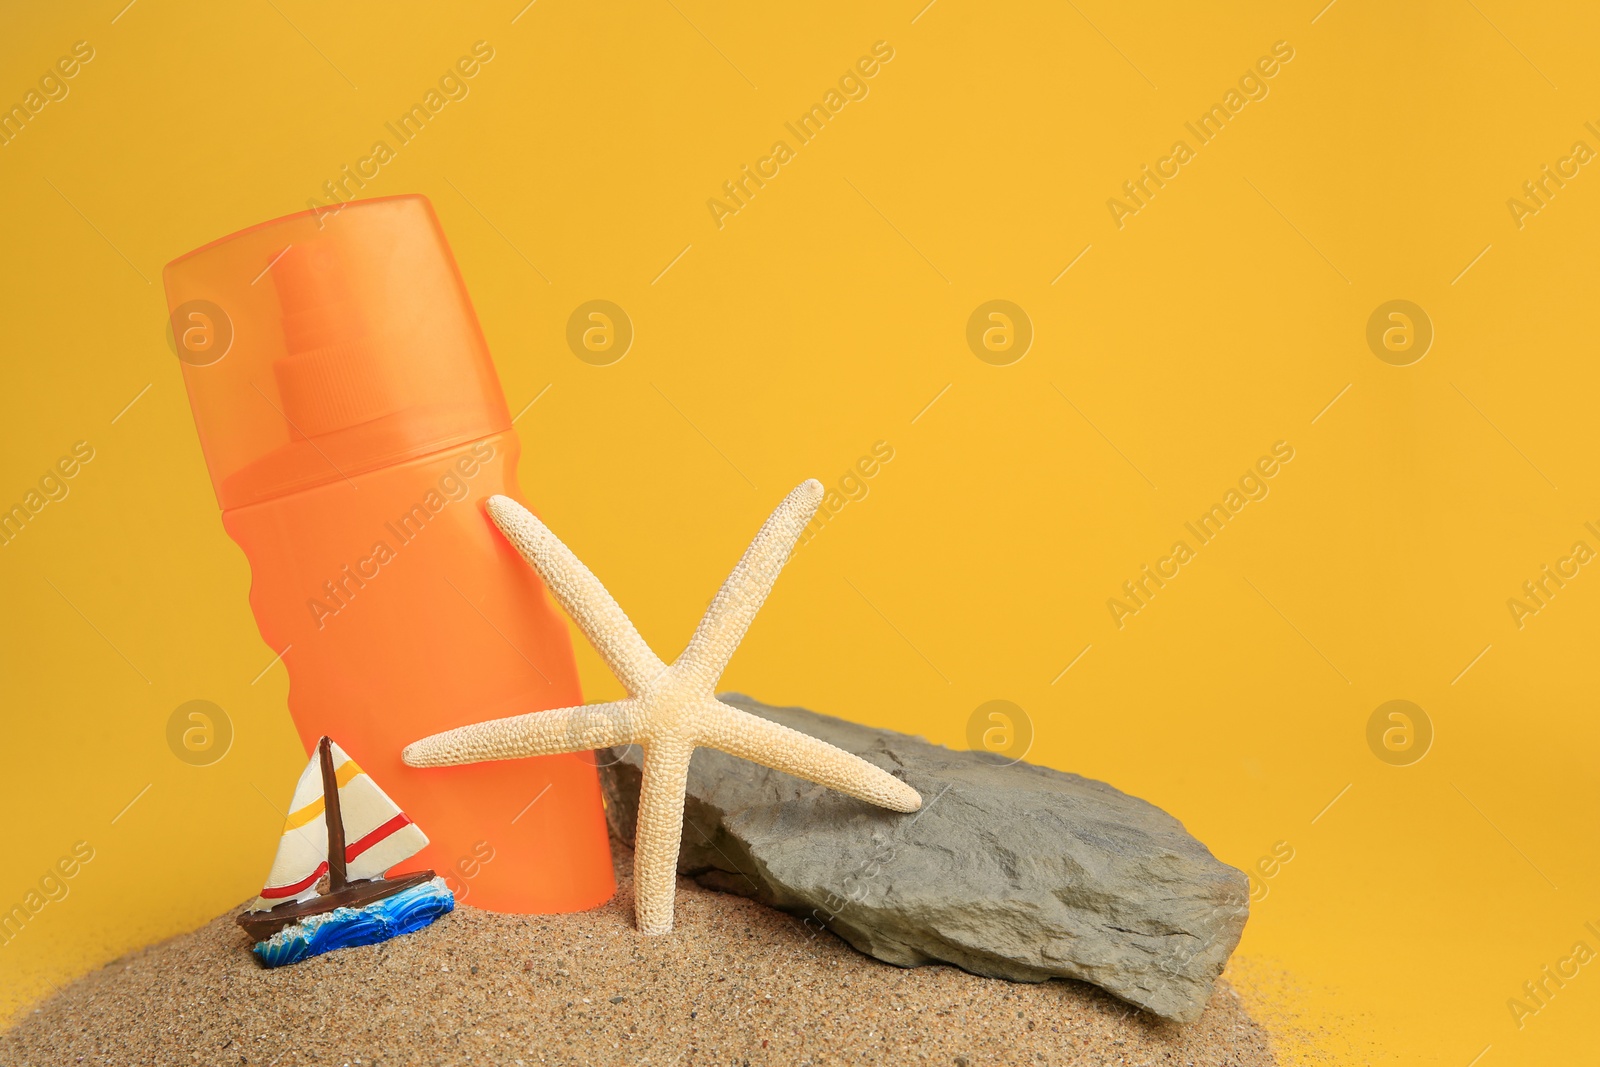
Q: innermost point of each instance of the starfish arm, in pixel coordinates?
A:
(762, 741)
(742, 595)
(576, 588)
(542, 733)
(660, 832)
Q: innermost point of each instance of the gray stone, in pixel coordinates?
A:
(1009, 871)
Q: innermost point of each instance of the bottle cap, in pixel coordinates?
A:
(328, 343)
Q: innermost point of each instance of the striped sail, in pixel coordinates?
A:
(377, 834)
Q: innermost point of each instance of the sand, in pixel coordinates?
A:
(736, 983)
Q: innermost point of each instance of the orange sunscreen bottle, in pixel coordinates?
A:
(353, 425)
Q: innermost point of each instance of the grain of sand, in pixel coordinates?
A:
(736, 983)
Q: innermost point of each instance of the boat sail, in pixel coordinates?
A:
(378, 833)
(342, 825)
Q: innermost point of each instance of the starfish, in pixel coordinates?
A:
(669, 711)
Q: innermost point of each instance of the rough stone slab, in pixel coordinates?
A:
(1009, 871)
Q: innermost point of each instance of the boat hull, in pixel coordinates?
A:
(261, 925)
(401, 913)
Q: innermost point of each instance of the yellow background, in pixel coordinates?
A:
(825, 316)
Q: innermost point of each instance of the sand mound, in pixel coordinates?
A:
(737, 983)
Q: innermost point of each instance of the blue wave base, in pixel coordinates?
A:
(402, 913)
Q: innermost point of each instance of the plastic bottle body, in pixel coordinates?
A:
(401, 611)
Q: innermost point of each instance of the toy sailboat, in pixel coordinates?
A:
(342, 825)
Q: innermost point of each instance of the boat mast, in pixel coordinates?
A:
(332, 816)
